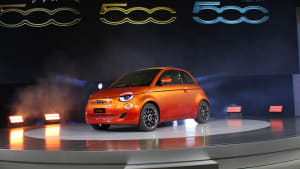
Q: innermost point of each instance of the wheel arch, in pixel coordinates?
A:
(153, 102)
(201, 98)
(206, 100)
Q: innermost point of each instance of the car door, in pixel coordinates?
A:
(169, 96)
(191, 90)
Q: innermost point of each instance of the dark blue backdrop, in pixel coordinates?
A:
(243, 64)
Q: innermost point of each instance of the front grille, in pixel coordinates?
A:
(101, 102)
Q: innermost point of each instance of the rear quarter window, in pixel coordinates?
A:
(187, 79)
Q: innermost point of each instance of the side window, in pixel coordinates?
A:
(187, 79)
(173, 74)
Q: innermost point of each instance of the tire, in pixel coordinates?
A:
(149, 117)
(203, 113)
(100, 126)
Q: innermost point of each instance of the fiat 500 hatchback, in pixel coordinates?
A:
(148, 97)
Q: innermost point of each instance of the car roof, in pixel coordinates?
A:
(164, 68)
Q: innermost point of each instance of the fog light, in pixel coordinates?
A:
(128, 106)
(123, 115)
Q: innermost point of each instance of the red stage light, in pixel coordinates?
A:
(52, 117)
(234, 109)
(16, 119)
(277, 109)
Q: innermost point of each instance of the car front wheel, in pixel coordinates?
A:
(203, 113)
(149, 117)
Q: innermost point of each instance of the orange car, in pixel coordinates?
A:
(148, 97)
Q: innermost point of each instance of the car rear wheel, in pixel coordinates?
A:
(100, 126)
(203, 112)
(149, 117)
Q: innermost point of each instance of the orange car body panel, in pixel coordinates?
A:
(174, 102)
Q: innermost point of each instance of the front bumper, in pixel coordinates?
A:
(115, 113)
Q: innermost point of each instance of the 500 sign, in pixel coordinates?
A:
(107, 7)
(122, 7)
(32, 24)
(200, 6)
(24, 13)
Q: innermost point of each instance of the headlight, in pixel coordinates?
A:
(125, 98)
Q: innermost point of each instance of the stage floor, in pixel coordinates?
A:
(176, 134)
(220, 138)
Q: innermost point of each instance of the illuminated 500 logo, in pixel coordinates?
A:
(107, 7)
(200, 6)
(19, 9)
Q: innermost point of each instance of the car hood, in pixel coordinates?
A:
(116, 92)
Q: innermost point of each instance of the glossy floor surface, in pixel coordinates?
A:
(172, 135)
(185, 128)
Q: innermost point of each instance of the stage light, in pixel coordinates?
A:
(276, 109)
(100, 86)
(52, 117)
(175, 123)
(190, 124)
(16, 119)
(234, 109)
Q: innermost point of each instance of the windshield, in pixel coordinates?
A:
(137, 78)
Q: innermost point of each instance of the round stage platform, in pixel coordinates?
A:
(221, 143)
(186, 128)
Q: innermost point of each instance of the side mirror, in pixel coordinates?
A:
(165, 80)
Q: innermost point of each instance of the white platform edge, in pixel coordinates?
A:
(218, 153)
